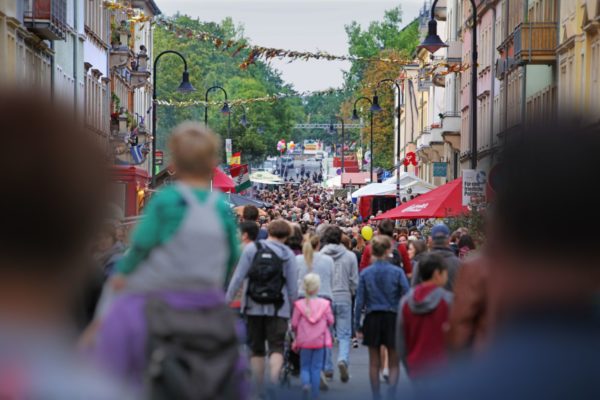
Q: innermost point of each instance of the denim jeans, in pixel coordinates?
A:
(343, 332)
(311, 364)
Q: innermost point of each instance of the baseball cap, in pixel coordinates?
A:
(440, 231)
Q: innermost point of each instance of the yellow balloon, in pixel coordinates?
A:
(367, 232)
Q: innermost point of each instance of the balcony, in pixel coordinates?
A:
(47, 18)
(535, 43)
(451, 122)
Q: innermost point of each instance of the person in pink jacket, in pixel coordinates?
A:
(310, 321)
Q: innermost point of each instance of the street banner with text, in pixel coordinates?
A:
(474, 184)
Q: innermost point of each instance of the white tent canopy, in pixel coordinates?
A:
(266, 178)
(335, 182)
(388, 187)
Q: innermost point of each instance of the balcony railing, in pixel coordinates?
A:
(536, 42)
(47, 18)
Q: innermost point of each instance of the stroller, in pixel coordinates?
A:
(291, 360)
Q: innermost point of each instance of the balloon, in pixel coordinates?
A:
(367, 232)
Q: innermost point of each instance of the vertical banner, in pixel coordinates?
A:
(228, 148)
(474, 185)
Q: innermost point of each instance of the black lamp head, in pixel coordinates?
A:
(185, 86)
(355, 116)
(244, 121)
(432, 42)
(375, 107)
(225, 110)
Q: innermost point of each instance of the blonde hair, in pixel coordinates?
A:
(311, 243)
(311, 284)
(194, 148)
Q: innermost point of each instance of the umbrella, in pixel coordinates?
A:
(222, 182)
(239, 200)
(266, 178)
(445, 201)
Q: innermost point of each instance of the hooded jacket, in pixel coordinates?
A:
(345, 272)
(451, 261)
(310, 321)
(290, 272)
(423, 313)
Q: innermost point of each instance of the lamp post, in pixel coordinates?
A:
(225, 110)
(331, 128)
(433, 43)
(184, 87)
(243, 120)
(376, 108)
(355, 117)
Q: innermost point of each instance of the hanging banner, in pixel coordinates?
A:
(228, 148)
(241, 177)
(474, 185)
(440, 169)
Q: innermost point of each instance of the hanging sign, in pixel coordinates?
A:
(474, 185)
(440, 169)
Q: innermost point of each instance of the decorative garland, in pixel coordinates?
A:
(133, 14)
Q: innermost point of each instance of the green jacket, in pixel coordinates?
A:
(162, 218)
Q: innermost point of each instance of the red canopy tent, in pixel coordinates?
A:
(444, 201)
(222, 182)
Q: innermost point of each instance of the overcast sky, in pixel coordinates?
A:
(308, 25)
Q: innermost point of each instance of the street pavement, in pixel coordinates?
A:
(357, 388)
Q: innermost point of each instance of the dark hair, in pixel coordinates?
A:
(346, 241)
(419, 245)
(250, 213)
(332, 235)
(250, 228)
(386, 227)
(294, 241)
(56, 183)
(466, 241)
(430, 263)
(280, 229)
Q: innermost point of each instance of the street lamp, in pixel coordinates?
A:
(243, 120)
(225, 110)
(355, 117)
(432, 43)
(184, 87)
(331, 128)
(376, 108)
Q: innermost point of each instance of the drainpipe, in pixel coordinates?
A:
(75, 54)
(506, 25)
(524, 82)
(493, 79)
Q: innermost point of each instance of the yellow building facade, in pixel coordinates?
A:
(579, 59)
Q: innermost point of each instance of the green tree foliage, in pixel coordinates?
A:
(268, 122)
(387, 34)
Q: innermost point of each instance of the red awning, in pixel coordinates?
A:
(222, 181)
(445, 201)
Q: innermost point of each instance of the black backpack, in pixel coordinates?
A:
(192, 354)
(265, 277)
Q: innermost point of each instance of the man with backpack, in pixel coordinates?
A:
(269, 268)
(399, 255)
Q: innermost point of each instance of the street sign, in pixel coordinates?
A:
(158, 157)
(474, 184)
(440, 169)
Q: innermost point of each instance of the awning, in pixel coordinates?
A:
(388, 187)
(445, 201)
(222, 181)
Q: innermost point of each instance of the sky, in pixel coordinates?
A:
(308, 25)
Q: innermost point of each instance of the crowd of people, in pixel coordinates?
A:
(193, 299)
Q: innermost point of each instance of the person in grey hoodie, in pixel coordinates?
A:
(345, 282)
(312, 261)
(440, 236)
(265, 323)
